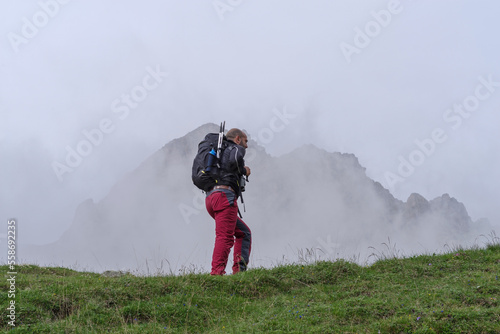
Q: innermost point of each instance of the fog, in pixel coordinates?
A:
(91, 90)
(153, 221)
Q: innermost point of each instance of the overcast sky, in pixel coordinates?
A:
(89, 89)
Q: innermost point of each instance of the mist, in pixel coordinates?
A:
(90, 91)
(153, 221)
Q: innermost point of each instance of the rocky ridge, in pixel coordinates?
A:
(306, 199)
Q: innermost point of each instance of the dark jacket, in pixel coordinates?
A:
(232, 166)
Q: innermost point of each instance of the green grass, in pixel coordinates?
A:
(451, 293)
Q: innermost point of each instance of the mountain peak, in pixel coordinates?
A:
(303, 197)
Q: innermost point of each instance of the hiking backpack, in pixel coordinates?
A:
(205, 171)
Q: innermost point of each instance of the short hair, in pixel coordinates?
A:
(233, 133)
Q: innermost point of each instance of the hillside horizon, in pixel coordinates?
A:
(305, 199)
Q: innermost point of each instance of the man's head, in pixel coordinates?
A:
(238, 136)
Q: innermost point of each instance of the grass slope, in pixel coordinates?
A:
(452, 293)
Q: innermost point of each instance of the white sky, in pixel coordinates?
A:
(68, 75)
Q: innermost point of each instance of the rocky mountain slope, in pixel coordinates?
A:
(308, 201)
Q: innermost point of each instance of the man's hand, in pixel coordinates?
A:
(248, 171)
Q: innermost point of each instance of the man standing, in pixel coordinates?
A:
(221, 203)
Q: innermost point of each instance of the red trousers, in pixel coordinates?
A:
(229, 230)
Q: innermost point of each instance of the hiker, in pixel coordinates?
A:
(221, 204)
